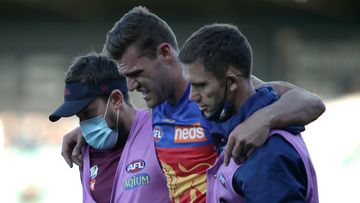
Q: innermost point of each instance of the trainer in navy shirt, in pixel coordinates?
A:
(273, 171)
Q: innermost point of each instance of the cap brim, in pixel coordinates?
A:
(69, 108)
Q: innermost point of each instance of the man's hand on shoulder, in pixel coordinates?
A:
(72, 146)
(246, 137)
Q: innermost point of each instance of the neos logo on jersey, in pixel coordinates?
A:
(135, 166)
(185, 134)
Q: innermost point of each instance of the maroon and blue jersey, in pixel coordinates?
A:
(185, 148)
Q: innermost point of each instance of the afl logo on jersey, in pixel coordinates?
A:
(135, 166)
(158, 133)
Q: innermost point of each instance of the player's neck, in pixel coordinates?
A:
(242, 94)
(179, 86)
(126, 120)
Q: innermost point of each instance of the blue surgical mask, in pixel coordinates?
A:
(97, 132)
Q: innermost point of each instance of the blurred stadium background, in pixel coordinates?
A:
(314, 44)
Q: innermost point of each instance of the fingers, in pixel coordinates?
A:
(70, 140)
(67, 158)
(244, 151)
(250, 151)
(76, 155)
(228, 150)
(236, 152)
(239, 149)
(77, 159)
(66, 147)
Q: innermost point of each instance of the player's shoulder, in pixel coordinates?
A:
(277, 147)
(142, 116)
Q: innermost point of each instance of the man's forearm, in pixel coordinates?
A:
(295, 106)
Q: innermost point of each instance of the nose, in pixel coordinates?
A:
(194, 95)
(131, 83)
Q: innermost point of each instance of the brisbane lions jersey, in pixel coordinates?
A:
(184, 147)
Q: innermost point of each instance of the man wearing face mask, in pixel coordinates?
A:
(120, 162)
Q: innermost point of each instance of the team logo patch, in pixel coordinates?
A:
(158, 133)
(136, 181)
(222, 180)
(92, 184)
(186, 134)
(135, 166)
(94, 171)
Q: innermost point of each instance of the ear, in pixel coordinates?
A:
(233, 76)
(164, 52)
(116, 98)
(233, 80)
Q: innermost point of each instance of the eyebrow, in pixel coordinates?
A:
(132, 73)
(201, 83)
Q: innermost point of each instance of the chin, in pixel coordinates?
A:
(151, 104)
(206, 114)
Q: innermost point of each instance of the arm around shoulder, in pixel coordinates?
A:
(296, 106)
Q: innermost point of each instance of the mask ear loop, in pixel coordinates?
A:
(117, 119)
(117, 114)
(107, 106)
(224, 111)
(228, 105)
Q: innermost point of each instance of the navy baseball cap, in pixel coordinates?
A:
(78, 95)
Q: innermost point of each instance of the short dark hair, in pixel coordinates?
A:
(140, 27)
(93, 69)
(217, 47)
